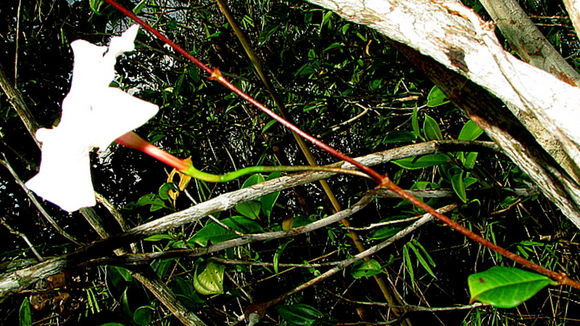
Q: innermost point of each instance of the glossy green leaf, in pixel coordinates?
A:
(409, 263)
(383, 233)
(299, 314)
(366, 269)
(436, 97)
(163, 191)
(278, 254)
(268, 201)
(470, 158)
(254, 179)
(423, 256)
(421, 162)
(24, 313)
(215, 233)
(210, 280)
(159, 237)
(459, 186)
(415, 123)
(250, 209)
(470, 131)
(143, 315)
(505, 287)
(399, 136)
(431, 129)
(118, 275)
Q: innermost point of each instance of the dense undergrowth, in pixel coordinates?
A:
(341, 82)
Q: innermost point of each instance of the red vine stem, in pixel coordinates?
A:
(382, 180)
(217, 76)
(561, 278)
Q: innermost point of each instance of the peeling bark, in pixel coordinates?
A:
(535, 103)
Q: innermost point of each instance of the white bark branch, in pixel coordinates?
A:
(457, 38)
(23, 278)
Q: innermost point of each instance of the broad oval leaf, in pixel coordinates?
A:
(250, 209)
(210, 280)
(24, 313)
(470, 131)
(431, 129)
(299, 314)
(215, 233)
(366, 269)
(421, 162)
(436, 97)
(505, 287)
(143, 315)
(459, 186)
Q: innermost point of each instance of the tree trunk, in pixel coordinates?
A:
(539, 111)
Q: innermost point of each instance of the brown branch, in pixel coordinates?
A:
(17, 101)
(261, 309)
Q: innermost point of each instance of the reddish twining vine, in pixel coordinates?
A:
(382, 180)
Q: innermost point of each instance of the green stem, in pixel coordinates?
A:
(195, 173)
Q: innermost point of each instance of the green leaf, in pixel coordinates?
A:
(118, 275)
(215, 233)
(421, 162)
(436, 98)
(159, 237)
(415, 123)
(268, 125)
(423, 256)
(96, 6)
(399, 137)
(210, 280)
(366, 269)
(408, 263)
(299, 314)
(459, 186)
(505, 287)
(278, 254)
(153, 200)
(470, 131)
(250, 209)
(125, 307)
(469, 161)
(431, 129)
(268, 201)
(139, 7)
(24, 313)
(143, 315)
(254, 179)
(383, 233)
(163, 191)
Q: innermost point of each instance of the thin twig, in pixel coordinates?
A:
(24, 237)
(36, 203)
(261, 308)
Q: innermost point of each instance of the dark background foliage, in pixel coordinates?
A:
(326, 71)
